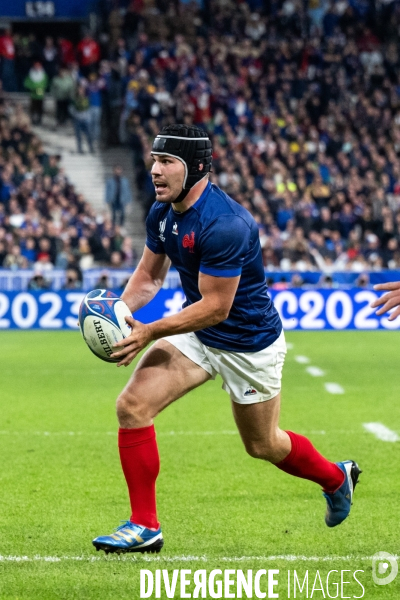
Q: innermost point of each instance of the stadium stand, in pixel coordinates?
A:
(302, 102)
(44, 223)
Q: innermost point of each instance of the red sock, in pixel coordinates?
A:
(306, 462)
(141, 464)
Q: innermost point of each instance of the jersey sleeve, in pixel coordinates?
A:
(224, 245)
(153, 241)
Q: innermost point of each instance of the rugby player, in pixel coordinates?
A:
(228, 325)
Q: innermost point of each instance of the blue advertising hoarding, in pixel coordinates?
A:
(318, 309)
(45, 9)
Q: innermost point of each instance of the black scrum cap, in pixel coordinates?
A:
(189, 144)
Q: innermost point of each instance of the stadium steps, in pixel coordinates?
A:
(88, 172)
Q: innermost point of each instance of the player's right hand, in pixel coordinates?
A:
(388, 301)
(129, 347)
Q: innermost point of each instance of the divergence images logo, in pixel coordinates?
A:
(384, 568)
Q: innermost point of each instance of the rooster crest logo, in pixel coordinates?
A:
(188, 241)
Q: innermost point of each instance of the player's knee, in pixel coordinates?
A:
(263, 450)
(132, 409)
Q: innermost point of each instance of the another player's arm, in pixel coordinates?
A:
(146, 280)
(217, 294)
(389, 300)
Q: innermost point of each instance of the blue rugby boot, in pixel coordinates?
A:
(338, 503)
(130, 537)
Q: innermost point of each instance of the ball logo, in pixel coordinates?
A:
(102, 338)
(188, 241)
(384, 568)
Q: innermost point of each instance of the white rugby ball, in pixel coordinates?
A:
(102, 322)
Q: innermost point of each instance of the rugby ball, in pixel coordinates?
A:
(102, 322)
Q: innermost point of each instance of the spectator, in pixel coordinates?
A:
(38, 282)
(362, 280)
(50, 58)
(103, 283)
(72, 280)
(80, 111)
(14, 260)
(43, 258)
(116, 259)
(62, 89)
(7, 188)
(28, 250)
(66, 52)
(95, 88)
(118, 195)
(3, 253)
(36, 83)
(7, 61)
(113, 101)
(88, 54)
(86, 257)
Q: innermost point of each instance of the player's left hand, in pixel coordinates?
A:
(389, 300)
(133, 344)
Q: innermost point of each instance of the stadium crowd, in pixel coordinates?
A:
(44, 222)
(304, 110)
(301, 100)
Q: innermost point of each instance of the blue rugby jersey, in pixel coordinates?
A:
(216, 236)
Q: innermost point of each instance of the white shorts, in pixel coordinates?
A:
(248, 377)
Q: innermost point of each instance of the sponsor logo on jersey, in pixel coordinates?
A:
(162, 226)
(250, 391)
(188, 241)
(175, 229)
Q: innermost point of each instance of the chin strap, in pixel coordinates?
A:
(185, 191)
(181, 196)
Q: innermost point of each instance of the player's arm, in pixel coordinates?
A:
(389, 300)
(217, 294)
(146, 280)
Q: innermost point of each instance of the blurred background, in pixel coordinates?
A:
(301, 100)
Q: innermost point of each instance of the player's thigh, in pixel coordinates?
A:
(162, 375)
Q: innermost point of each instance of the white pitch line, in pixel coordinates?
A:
(289, 345)
(381, 432)
(315, 371)
(302, 360)
(114, 433)
(79, 433)
(171, 559)
(223, 432)
(334, 388)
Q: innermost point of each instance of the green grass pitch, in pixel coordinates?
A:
(61, 483)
